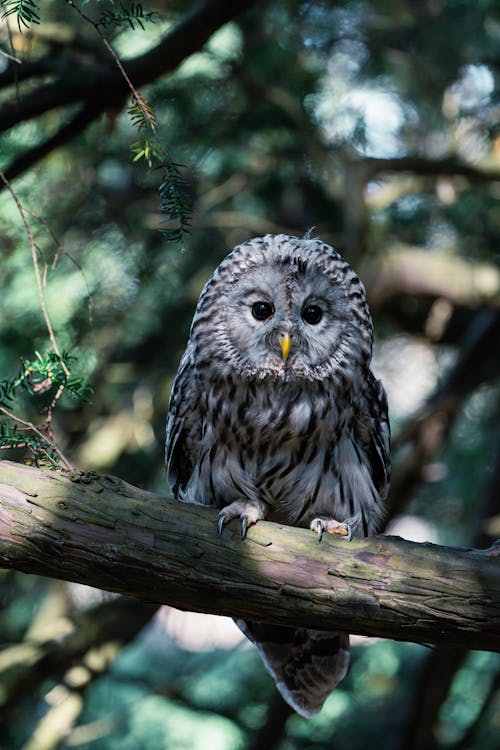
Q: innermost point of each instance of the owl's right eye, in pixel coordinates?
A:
(262, 310)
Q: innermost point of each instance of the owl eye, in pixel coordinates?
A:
(312, 314)
(262, 310)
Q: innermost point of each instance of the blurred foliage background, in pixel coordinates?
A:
(377, 124)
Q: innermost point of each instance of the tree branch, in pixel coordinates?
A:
(66, 133)
(432, 167)
(103, 532)
(104, 85)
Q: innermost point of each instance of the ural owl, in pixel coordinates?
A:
(275, 414)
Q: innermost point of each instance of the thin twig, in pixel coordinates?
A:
(40, 284)
(10, 57)
(60, 250)
(33, 428)
(149, 118)
(38, 278)
(135, 94)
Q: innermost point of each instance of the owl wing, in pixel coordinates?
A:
(306, 665)
(373, 435)
(184, 424)
(381, 439)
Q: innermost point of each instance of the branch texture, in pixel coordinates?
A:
(103, 532)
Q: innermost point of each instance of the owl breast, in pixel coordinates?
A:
(287, 445)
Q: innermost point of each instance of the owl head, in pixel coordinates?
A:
(283, 308)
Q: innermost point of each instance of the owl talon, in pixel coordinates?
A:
(320, 529)
(220, 524)
(320, 525)
(248, 513)
(244, 526)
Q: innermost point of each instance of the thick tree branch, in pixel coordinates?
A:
(432, 167)
(105, 85)
(27, 69)
(66, 133)
(103, 532)
(408, 270)
(59, 93)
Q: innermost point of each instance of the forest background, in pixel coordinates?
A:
(123, 185)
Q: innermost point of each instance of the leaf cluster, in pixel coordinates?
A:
(15, 437)
(175, 196)
(27, 12)
(42, 374)
(176, 201)
(49, 374)
(134, 16)
(145, 120)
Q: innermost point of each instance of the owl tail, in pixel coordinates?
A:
(305, 664)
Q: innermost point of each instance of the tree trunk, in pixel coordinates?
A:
(103, 532)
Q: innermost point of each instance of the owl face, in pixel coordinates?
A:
(286, 309)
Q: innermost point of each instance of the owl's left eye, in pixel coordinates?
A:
(312, 314)
(262, 310)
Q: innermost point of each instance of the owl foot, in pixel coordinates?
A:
(249, 512)
(320, 525)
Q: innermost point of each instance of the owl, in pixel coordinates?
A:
(275, 414)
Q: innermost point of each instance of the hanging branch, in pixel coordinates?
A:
(104, 88)
(173, 190)
(43, 373)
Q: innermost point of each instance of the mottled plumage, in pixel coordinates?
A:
(275, 414)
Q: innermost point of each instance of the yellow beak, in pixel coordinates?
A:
(285, 346)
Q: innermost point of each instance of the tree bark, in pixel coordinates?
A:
(103, 532)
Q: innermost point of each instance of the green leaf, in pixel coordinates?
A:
(27, 12)
(134, 16)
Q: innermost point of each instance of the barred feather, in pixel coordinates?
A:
(288, 439)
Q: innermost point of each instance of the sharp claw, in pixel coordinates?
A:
(220, 524)
(349, 533)
(320, 531)
(244, 526)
